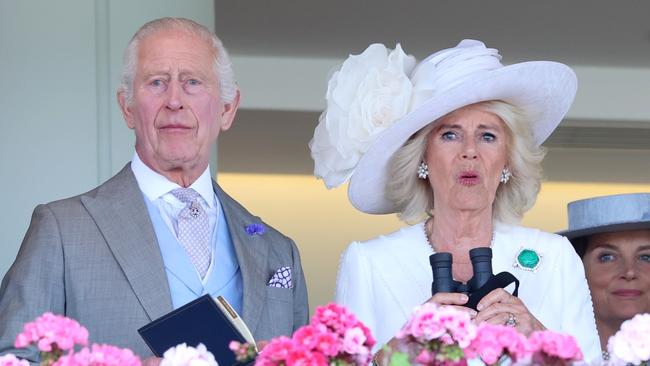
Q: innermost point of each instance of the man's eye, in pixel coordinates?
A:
(645, 257)
(156, 82)
(449, 135)
(193, 82)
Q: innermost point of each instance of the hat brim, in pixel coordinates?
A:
(542, 90)
(614, 227)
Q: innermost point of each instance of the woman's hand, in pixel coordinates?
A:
(500, 307)
(457, 300)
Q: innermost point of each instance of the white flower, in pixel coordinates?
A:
(366, 96)
(11, 360)
(184, 355)
(631, 344)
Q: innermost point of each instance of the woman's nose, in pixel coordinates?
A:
(630, 270)
(469, 150)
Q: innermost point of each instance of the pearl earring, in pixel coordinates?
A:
(505, 175)
(423, 170)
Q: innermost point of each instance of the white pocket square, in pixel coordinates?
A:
(281, 278)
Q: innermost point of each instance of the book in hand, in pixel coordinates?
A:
(205, 320)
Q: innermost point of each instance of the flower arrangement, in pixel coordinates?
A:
(442, 335)
(434, 336)
(56, 337)
(334, 337)
(631, 344)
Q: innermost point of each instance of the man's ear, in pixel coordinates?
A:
(126, 111)
(229, 111)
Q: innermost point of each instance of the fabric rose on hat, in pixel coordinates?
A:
(366, 96)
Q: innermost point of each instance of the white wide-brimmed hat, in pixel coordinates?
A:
(606, 214)
(380, 98)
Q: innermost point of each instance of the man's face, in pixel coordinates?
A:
(176, 109)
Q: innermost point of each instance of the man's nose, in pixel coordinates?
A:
(174, 96)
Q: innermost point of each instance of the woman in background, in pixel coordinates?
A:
(612, 236)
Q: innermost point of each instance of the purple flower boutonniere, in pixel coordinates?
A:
(255, 229)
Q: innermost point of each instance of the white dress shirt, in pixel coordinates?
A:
(157, 189)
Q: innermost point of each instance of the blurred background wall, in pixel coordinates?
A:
(62, 132)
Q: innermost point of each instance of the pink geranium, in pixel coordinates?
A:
(334, 336)
(51, 332)
(494, 343)
(436, 335)
(551, 348)
(100, 355)
(11, 360)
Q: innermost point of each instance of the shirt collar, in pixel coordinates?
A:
(155, 185)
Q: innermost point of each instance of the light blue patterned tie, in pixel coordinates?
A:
(193, 229)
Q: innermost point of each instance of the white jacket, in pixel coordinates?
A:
(383, 279)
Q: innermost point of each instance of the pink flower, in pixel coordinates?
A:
(11, 360)
(301, 356)
(492, 342)
(276, 351)
(328, 344)
(549, 345)
(334, 336)
(50, 332)
(100, 355)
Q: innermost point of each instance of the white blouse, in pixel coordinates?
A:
(383, 279)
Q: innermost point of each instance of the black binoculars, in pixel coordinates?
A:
(481, 283)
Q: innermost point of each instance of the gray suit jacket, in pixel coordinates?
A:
(95, 258)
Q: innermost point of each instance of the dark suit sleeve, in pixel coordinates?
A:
(300, 301)
(34, 283)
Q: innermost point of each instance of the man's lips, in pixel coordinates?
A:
(628, 293)
(175, 127)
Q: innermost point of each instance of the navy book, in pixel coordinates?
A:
(200, 321)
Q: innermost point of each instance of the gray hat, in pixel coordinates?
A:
(620, 212)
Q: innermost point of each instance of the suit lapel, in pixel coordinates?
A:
(251, 254)
(119, 210)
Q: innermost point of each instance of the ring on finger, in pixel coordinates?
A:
(511, 321)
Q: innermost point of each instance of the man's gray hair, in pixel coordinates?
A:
(222, 64)
(414, 197)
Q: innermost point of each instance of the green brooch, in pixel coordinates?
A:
(528, 259)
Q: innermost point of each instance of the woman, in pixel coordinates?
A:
(454, 139)
(612, 236)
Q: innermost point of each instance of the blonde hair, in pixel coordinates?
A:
(413, 197)
(222, 65)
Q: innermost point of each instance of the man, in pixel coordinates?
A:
(142, 244)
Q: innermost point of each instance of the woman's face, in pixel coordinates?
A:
(466, 152)
(617, 266)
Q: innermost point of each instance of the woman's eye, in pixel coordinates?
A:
(489, 137)
(645, 257)
(606, 257)
(449, 135)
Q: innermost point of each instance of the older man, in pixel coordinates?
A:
(160, 232)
